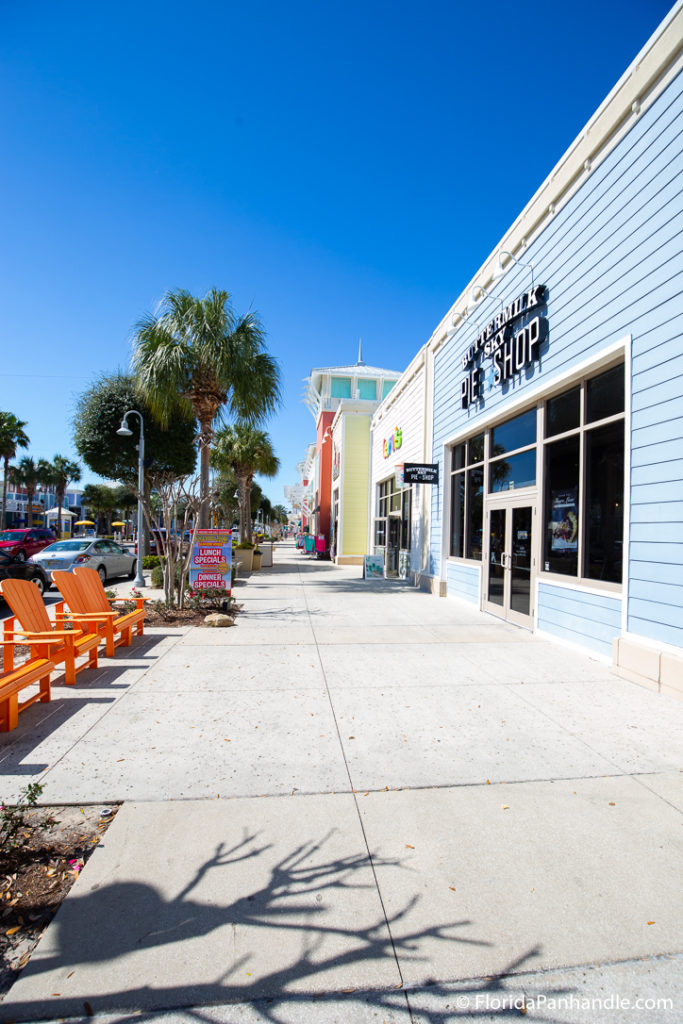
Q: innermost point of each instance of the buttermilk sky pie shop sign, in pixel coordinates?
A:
(510, 346)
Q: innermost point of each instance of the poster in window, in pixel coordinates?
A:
(564, 521)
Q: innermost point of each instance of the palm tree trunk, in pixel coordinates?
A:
(243, 492)
(4, 492)
(205, 434)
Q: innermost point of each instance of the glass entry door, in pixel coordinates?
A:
(510, 562)
(393, 540)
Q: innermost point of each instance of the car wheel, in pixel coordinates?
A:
(21, 556)
(102, 573)
(37, 581)
(133, 570)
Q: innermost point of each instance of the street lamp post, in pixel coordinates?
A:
(124, 431)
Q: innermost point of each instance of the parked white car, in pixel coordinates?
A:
(106, 556)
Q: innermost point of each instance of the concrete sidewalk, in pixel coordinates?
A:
(361, 803)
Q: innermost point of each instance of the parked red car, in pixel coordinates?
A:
(21, 544)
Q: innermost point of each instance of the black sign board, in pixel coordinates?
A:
(420, 473)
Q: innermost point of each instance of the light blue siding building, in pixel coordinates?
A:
(557, 417)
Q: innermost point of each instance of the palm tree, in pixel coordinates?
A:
(59, 473)
(12, 436)
(196, 356)
(247, 451)
(29, 475)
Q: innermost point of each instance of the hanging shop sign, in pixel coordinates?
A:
(420, 473)
(211, 563)
(509, 349)
(393, 443)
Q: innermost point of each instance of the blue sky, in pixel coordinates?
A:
(343, 169)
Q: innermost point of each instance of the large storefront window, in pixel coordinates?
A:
(584, 479)
(582, 483)
(467, 498)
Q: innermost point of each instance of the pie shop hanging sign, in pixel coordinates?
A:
(509, 349)
(420, 473)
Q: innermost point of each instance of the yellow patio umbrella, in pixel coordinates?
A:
(84, 522)
(118, 522)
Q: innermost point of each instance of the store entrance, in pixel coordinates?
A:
(510, 563)
(393, 544)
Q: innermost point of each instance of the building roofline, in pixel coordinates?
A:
(660, 59)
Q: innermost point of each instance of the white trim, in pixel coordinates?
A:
(613, 595)
(588, 652)
(628, 455)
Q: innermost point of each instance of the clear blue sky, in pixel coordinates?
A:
(342, 168)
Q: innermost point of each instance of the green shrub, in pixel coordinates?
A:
(158, 577)
(150, 561)
(244, 545)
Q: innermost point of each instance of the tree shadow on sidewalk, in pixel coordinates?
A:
(298, 935)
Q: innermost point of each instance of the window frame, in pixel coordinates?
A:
(389, 494)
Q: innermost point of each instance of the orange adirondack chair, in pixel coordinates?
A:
(95, 600)
(63, 646)
(106, 621)
(14, 680)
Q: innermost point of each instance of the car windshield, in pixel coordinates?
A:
(66, 545)
(12, 535)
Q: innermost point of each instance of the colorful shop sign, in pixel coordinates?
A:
(509, 349)
(393, 443)
(211, 563)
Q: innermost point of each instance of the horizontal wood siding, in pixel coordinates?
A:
(463, 581)
(406, 413)
(591, 620)
(611, 259)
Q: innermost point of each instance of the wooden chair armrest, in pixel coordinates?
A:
(52, 633)
(23, 643)
(89, 615)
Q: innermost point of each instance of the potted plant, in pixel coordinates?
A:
(243, 555)
(256, 562)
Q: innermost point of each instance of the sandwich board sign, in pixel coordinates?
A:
(211, 564)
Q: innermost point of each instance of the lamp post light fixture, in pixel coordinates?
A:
(125, 431)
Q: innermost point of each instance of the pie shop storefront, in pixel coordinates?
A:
(558, 390)
(540, 496)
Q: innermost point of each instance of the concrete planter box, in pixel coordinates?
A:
(243, 558)
(256, 563)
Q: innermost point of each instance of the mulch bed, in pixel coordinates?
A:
(158, 615)
(36, 876)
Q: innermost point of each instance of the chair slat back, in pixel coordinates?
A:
(93, 590)
(26, 603)
(71, 589)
